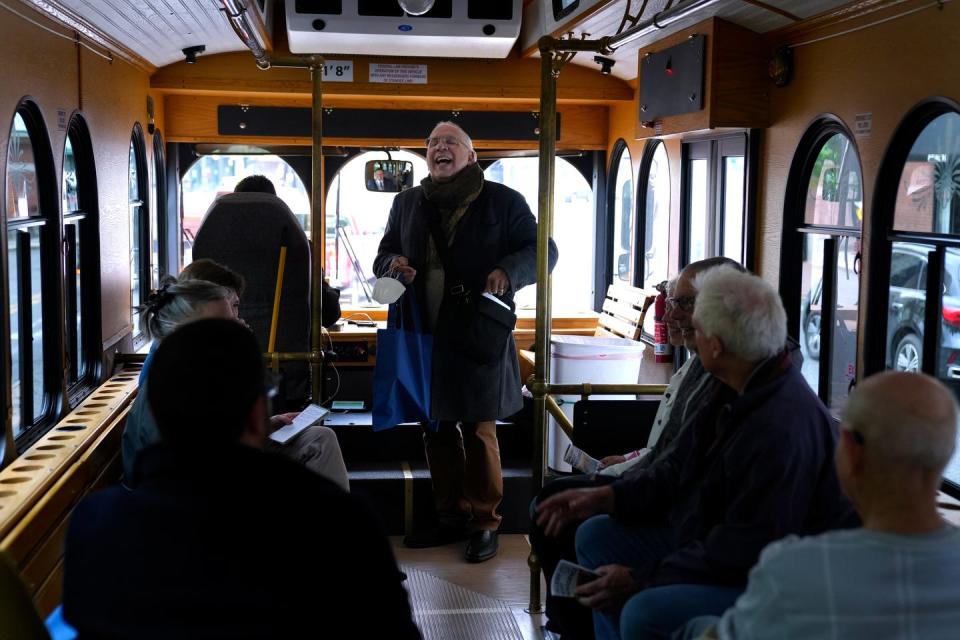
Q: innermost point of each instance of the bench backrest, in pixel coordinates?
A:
(624, 311)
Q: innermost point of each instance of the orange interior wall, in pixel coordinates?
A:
(111, 95)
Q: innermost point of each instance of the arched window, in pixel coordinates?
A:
(32, 266)
(140, 233)
(820, 257)
(81, 260)
(655, 229)
(215, 175)
(620, 207)
(356, 219)
(573, 228)
(158, 212)
(915, 265)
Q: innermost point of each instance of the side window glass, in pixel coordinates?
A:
(623, 231)
(822, 222)
(573, 229)
(31, 187)
(928, 194)
(81, 264)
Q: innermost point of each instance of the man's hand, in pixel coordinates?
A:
(609, 461)
(401, 266)
(282, 420)
(497, 282)
(557, 511)
(610, 590)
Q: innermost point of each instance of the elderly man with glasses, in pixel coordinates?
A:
(754, 465)
(457, 233)
(563, 504)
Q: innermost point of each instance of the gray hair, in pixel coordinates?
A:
(743, 311)
(176, 303)
(466, 136)
(906, 418)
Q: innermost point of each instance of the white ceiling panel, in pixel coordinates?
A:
(158, 30)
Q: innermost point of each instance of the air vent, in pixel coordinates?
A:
(456, 29)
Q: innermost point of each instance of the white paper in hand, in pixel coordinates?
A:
(567, 577)
(579, 459)
(309, 416)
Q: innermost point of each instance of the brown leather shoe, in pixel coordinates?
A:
(483, 545)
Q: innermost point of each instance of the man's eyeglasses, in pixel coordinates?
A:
(684, 304)
(448, 141)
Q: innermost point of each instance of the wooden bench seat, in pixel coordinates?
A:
(39, 490)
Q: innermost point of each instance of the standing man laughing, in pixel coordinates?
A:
(490, 237)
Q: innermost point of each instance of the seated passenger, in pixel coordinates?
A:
(687, 389)
(754, 466)
(221, 539)
(896, 577)
(178, 303)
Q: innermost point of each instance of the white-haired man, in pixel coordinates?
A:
(896, 577)
(458, 236)
(756, 465)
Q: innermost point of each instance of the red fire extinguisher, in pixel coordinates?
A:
(662, 349)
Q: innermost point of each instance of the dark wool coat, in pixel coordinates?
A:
(498, 230)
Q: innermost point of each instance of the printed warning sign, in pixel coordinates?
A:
(399, 73)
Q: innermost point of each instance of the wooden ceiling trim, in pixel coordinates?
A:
(195, 119)
(840, 18)
(58, 13)
(460, 80)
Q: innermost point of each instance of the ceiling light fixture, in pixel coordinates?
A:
(416, 7)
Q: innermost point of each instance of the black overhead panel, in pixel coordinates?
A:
(233, 120)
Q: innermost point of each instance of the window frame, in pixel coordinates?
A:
(643, 177)
(50, 283)
(160, 203)
(816, 135)
(87, 219)
(715, 149)
(619, 147)
(138, 146)
(884, 236)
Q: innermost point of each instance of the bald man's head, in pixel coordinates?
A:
(904, 419)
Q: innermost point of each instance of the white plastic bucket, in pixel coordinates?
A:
(578, 359)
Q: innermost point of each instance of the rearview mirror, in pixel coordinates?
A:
(391, 176)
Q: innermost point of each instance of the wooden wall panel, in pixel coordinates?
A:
(111, 96)
(884, 70)
(462, 80)
(193, 118)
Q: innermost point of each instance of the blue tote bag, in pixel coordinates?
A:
(401, 376)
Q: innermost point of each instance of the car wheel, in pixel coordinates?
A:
(811, 334)
(907, 355)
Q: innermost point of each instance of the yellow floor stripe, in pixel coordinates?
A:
(407, 497)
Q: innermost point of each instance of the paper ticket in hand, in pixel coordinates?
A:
(579, 459)
(309, 416)
(567, 577)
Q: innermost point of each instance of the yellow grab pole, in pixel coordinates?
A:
(272, 342)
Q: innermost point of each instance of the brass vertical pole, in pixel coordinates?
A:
(316, 232)
(548, 145)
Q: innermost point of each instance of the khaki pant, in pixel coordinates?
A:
(465, 470)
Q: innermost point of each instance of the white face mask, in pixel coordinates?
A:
(387, 290)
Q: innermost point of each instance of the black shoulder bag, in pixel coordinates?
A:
(479, 327)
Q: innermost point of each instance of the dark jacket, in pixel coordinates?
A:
(753, 468)
(242, 544)
(498, 230)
